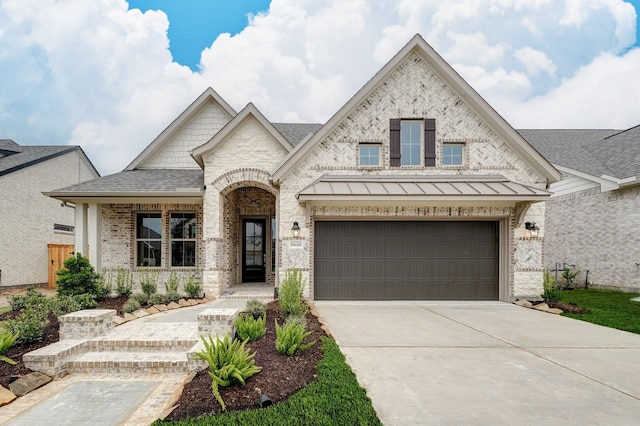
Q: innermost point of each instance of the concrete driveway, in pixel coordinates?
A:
(486, 363)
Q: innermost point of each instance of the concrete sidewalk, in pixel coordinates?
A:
(486, 363)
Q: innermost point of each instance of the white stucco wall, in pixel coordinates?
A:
(27, 216)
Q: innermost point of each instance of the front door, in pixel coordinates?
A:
(253, 250)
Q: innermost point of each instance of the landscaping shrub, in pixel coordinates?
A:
(256, 308)
(124, 282)
(568, 275)
(173, 296)
(77, 277)
(551, 292)
(249, 328)
(290, 294)
(131, 305)
(7, 339)
(86, 301)
(29, 325)
(157, 299)
(173, 285)
(193, 288)
(149, 281)
(142, 298)
(289, 338)
(31, 297)
(61, 305)
(228, 361)
(104, 286)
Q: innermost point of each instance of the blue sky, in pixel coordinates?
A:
(111, 75)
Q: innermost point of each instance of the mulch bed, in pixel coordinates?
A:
(574, 309)
(281, 375)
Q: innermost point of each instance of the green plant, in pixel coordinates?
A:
(290, 294)
(173, 285)
(256, 308)
(30, 298)
(7, 339)
(568, 275)
(104, 286)
(173, 296)
(131, 305)
(29, 325)
(77, 277)
(142, 298)
(61, 305)
(228, 361)
(551, 292)
(86, 300)
(192, 287)
(334, 398)
(157, 299)
(124, 282)
(149, 281)
(289, 337)
(249, 328)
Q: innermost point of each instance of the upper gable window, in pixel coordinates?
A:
(369, 154)
(412, 142)
(452, 154)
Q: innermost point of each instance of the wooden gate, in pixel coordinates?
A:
(58, 253)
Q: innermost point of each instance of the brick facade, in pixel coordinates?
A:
(580, 224)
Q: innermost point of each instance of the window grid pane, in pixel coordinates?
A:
(452, 154)
(369, 155)
(410, 142)
(149, 239)
(183, 235)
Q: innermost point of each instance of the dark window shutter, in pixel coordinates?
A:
(394, 142)
(430, 142)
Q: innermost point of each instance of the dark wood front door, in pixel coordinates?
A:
(253, 250)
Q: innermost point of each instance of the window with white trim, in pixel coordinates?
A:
(183, 239)
(410, 142)
(149, 239)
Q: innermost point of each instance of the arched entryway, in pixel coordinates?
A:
(250, 235)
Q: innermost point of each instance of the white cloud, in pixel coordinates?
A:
(100, 75)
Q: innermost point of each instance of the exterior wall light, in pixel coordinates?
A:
(532, 228)
(295, 229)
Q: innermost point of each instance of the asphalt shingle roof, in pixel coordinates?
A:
(163, 181)
(620, 152)
(568, 147)
(296, 132)
(14, 157)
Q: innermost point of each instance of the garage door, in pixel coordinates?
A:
(406, 260)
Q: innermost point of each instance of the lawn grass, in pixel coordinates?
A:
(334, 398)
(606, 307)
(4, 309)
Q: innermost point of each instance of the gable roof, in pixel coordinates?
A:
(296, 132)
(191, 111)
(619, 153)
(249, 111)
(14, 157)
(454, 81)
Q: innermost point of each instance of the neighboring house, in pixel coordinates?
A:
(31, 221)
(593, 216)
(415, 189)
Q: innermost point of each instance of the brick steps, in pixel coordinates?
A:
(141, 346)
(130, 362)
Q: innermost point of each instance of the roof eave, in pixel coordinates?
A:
(422, 198)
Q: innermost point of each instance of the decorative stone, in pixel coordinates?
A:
(117, 320)
(130, 317)
(541, 307)
(28, 383)
(141, 313)
(173, 305)
(152, 310)
(160, 308)
(192, 302)
(183, 302)
(6, 396)
(555, 311)
(524, 303)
